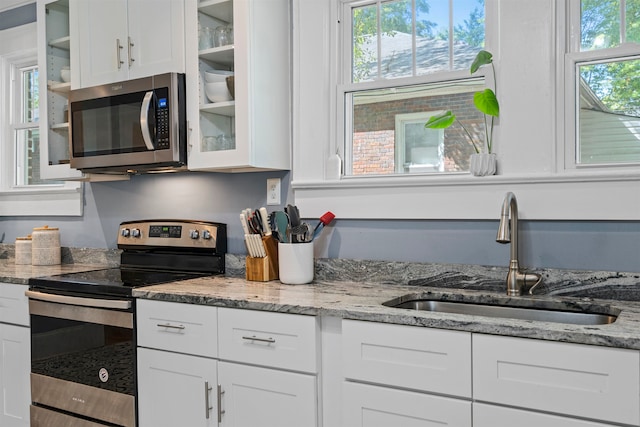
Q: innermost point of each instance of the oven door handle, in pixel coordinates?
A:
(85, 302)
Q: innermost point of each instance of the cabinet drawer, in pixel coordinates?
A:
(411, 357)
(278, 340)
(371, 406)
(581, 380)
(14, 305)
(183, 328)
(497, 416)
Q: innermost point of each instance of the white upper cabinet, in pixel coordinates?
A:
(127, 39)
(249, 131)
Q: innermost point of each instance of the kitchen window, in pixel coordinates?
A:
(408, 58)
(603, 64)
(22, 191)
(530, 42)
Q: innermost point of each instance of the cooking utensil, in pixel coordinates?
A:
(325, 219)
(294, 219)
(282, 224)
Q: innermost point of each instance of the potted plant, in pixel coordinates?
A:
(483, 162)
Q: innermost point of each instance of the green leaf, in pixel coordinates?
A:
(482, 58)
(487, 102)
(441, 121)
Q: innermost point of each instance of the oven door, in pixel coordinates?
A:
(82, 360)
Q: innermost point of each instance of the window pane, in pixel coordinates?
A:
(30, 98)
(397, 41)
(599, 24)
(633, 21)
(28, 158)
(392, 27)
(609, 112)
(388, 134)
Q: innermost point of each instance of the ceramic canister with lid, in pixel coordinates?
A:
(45, 246)
(23, 250)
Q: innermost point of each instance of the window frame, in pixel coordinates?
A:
(63, 199)
(529, 141)
(572, 57)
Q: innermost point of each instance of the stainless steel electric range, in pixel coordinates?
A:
(83, 337)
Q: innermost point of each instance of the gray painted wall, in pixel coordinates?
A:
(579, 245)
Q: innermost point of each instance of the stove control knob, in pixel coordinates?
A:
(135, 232)
(125, 232)
(194, 234)
(206, 235)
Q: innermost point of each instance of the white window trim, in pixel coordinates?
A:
(56, 200)
(547, 191)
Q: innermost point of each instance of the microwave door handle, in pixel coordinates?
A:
(144, 122)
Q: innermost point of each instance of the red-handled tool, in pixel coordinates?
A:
(325, 219)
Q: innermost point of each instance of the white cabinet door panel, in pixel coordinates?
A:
(253, 396)
(183, 328)
(418, 358)
(371, 406)
(102, 24)
(279, 340)
(495, 416)
(15, 365)
(586, 381)
(172, 390)
(156, 30)
(14, 304)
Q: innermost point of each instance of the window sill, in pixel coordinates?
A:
(36, 202)
(576, 195)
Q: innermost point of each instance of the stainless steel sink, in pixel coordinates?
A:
(575, 317)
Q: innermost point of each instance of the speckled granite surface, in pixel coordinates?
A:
(363, 299)
(353, 289)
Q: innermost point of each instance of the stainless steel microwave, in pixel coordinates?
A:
(133, 126)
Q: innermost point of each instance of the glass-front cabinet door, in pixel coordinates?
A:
(54, 46)
(238, 85)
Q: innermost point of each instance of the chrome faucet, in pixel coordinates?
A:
(517, 281)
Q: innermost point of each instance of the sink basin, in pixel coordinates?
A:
(574, 317)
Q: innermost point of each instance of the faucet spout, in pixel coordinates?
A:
(516, 281)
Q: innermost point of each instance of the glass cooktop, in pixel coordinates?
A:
(108, 282)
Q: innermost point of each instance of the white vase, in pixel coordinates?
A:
(483, 164)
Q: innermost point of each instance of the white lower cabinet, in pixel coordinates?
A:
(494, 416)
(15, 356)
(407, 364)
(584, 381)
(201, 366)
(176, 390)
(366, 405)
(255, 396)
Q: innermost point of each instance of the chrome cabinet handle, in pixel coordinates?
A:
(118, 59)
(220, 410)
(130, 43)
(207, 390)
(254, 338)
(167, 325)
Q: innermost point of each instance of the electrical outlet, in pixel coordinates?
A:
(273, 191)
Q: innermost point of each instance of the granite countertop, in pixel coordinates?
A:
(355, 289)
(363, 301)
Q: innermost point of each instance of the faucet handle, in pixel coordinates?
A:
(531, 277)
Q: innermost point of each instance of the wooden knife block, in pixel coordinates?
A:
(264, 269)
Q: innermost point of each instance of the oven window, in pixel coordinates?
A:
(92, 354)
